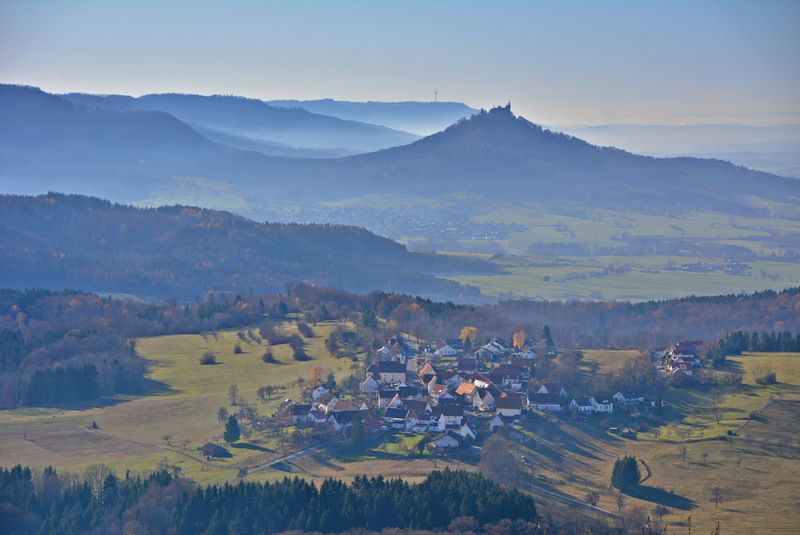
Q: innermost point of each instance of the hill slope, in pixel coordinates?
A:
(60, 241)
(500, 156)
(46, 142)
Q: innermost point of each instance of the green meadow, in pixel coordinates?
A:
(182, 401)
(756, 467)
(732, 435)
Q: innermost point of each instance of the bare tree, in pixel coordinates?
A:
(660, 510)
(166, 438)
(222, 415)
(592, 497)
(499, 461)
(233, 393)
(718, 494)
(186, 442)
(620, 501)
(265, 393)
(682, 451)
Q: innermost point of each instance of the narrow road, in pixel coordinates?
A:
(569, 498)
(285, 458)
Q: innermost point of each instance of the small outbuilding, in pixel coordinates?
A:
(214, 450)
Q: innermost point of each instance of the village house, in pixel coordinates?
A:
(552, 388)
(448, 416)
(407, 392)
(326, 402)
(526, 354)
(427, 372)
(628, 397)
(444, 349)
(299, 413)
(385, 397)
(500, 422)
(509, 405)
(467, 366)
(468, 431)
(483, 354)
(396, 417)
(545, 402)
(452, 379)
(340, 420)
(505, 377)
(582, 405)
(467, 392)
(317, 417)
(447, 440)
(370, 385)
(417, 405)
(319, 392)
(437, 392)
(389, 372)
(602, 403)
(348, 405)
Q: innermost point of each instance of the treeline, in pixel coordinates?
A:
(43, 330)
(58, 347)
(47, 503)
(620, 324)
(63, 384)
(73, 241)
(588, 325)
(735, 343)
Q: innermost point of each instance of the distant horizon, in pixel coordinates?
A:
(566, 63)
(789, 117)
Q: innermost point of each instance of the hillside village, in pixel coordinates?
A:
(453, 396)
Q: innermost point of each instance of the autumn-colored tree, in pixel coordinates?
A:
(519, 339)
(471, 333)
(316, 376)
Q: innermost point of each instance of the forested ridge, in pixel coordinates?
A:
(92, 338)
(71, 241)
(46, 503)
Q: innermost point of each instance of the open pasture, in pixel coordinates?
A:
(756, 469)
(182, 403)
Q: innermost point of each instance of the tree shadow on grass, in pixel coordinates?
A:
(157, 388)
(149, 388)
(662, 497)
(248, 446)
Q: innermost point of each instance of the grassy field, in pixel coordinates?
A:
(182, 401)
(757, 468)
(583, 278)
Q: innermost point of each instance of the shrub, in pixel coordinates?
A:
(305, 330)
(768, 378)
(208, 358)
(237, 349)
(268, 357)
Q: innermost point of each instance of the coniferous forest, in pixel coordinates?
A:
(49, 503)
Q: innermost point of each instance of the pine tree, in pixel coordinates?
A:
(625, 474)
(232, 431)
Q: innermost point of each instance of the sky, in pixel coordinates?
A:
(559, 63)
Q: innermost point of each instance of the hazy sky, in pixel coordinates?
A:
(567, 62)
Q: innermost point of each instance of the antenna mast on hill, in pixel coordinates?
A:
(435, 96)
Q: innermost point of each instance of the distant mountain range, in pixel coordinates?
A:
(49, 143)
(254, 119)
(67, 241)
(422, 118)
